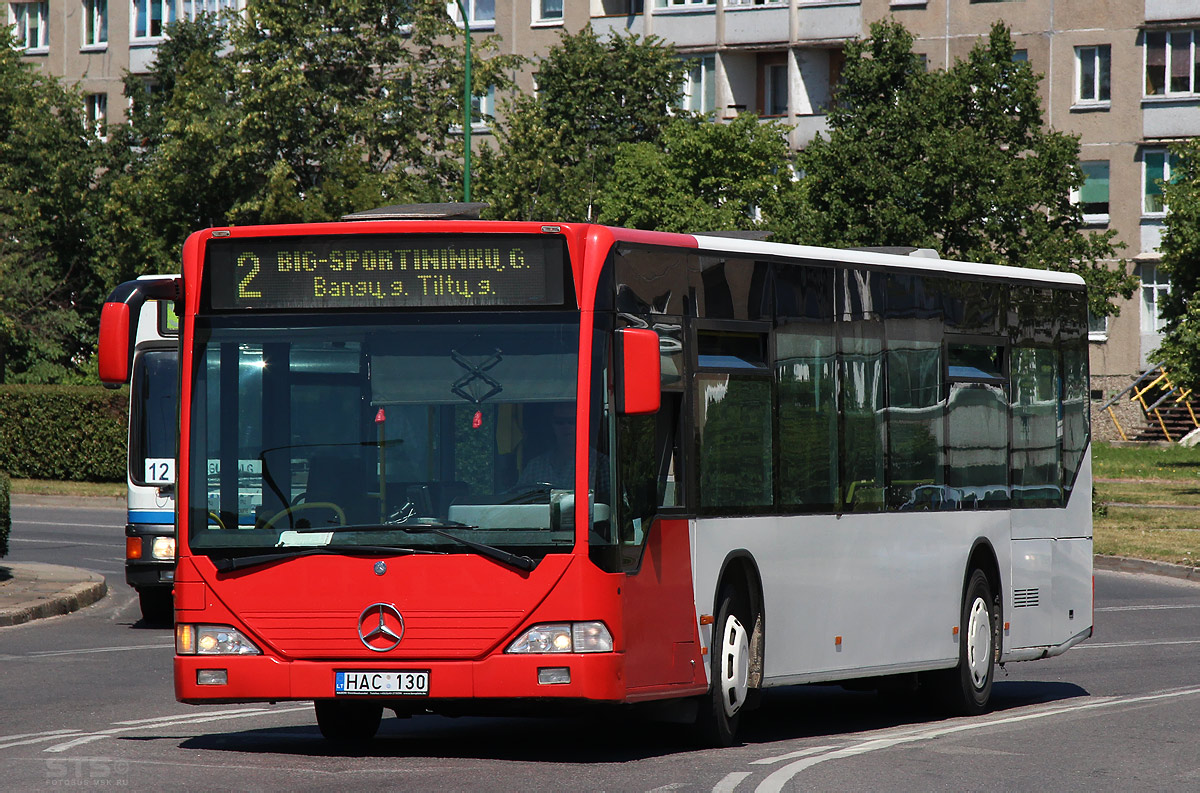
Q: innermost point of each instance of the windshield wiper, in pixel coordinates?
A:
(438, 528)
(230, 563)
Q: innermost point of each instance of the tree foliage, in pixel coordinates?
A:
(48, 157)
(701, 176)
(293, 113)
(557, 151)
(1180, 249)
(955, 160)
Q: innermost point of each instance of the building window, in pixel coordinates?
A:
(683, 3)
(480, 13)
(1155, 286)
(700, 85)
(96, 110)
(1093, 66)
(773, 84)
(95, 23)
(743, 3)
(30, 23)
(1092, 197)
(548, 11)
(151, 17)
(1020, 56)
(1157, 167)
(1170, 62)
(1097, 327)
(193, 9)
(483, 109)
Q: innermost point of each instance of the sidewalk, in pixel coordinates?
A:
(32, 590)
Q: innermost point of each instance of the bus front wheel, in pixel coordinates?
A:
(346, 722)
(729, 688)
(967, 688)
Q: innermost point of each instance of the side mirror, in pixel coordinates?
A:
(113, 356)
(638, 371)
(118, 324)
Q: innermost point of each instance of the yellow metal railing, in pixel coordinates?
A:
(1153, 390)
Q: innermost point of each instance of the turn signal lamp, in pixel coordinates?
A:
(212, 640)
(133, 547)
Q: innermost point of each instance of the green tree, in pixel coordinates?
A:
(701, 176)
(48, 157)
(1180, 249)
(292, 113)
(955, 160)
(558, 148)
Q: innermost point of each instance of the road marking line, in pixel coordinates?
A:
(730, 782)
(1146, 643)
(776, 780)
(88, 650)
(792, 755)
(1164, 607)
(33, 737)
(193, 715)
(179, 721)
(66, 542)
(71, 525)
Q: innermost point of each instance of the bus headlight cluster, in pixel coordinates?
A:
(564, 637)
(212, 640)
(163, 548)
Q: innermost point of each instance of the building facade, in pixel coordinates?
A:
(1124, 75)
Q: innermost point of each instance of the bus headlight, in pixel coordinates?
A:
(163, 549)
(564, 637)
(212, 640)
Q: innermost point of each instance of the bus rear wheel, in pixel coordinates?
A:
(966, 690)
(347, 722)
(729, 688)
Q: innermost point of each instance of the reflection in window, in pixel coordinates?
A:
(1036, 469)
(808, 439)
(733, 422)
(915, 429)
(863, 419)
(977, 445)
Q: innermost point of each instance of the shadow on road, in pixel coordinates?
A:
(619, 736)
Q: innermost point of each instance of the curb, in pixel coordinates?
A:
(48, 590)
(1124, 564)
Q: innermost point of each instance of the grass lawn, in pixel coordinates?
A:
(1149, 476)
(46, 487)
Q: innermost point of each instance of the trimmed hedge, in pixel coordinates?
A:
(76, 433)
(5, 520)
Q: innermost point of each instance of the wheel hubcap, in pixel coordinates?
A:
(979, 642)
(735, 665)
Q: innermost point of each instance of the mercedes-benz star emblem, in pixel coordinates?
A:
(380, 627)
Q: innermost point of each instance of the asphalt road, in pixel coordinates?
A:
(86, 702)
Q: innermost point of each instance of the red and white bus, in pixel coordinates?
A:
(455, 466)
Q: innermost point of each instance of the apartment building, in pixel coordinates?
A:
(1124, 75)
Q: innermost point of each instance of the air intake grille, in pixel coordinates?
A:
(1025, 598)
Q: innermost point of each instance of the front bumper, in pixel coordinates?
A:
(593, 677)
(147, 572)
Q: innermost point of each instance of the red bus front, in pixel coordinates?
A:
(385, 435)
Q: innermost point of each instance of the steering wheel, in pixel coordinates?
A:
(295, 508)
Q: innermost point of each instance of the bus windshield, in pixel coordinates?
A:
(364, 429)
(155, 388)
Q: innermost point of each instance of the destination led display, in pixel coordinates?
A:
(384, 271)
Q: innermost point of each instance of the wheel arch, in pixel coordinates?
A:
(739, 569)
(983, 557)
